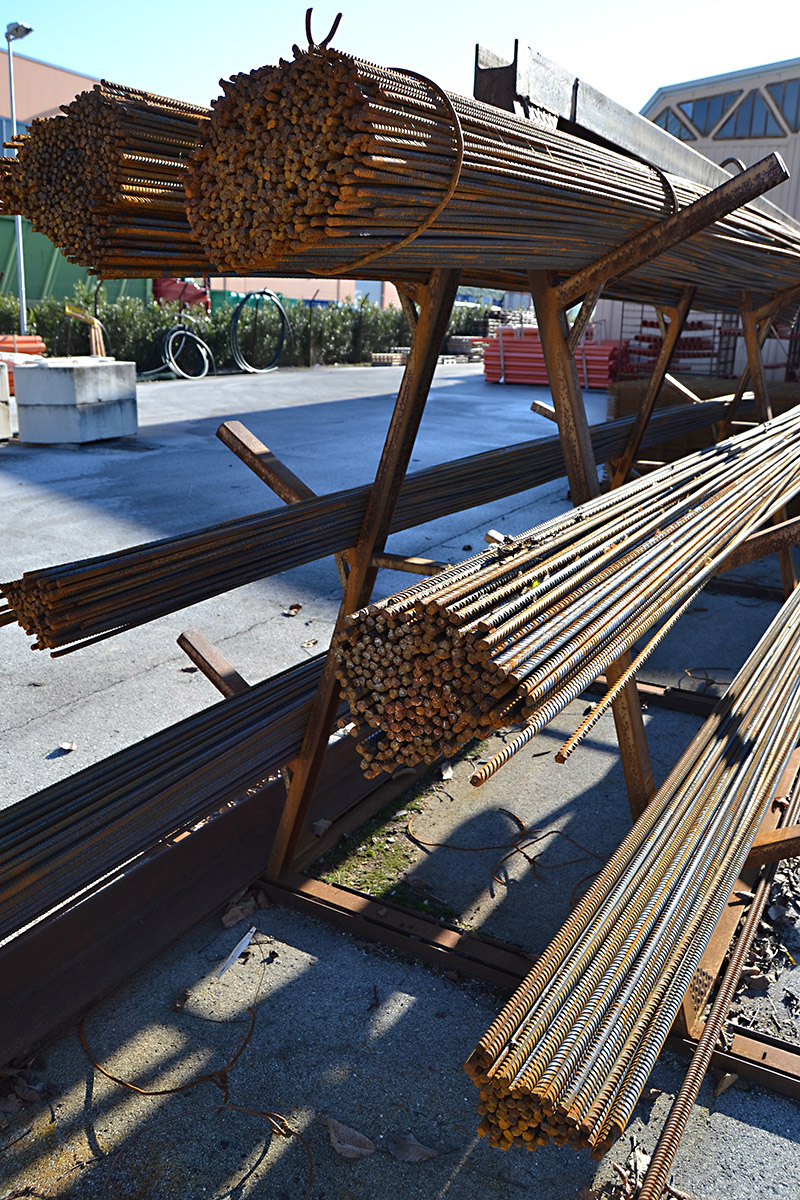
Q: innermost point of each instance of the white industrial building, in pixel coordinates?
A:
(742, 115)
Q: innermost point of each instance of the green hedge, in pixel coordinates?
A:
(336, 334)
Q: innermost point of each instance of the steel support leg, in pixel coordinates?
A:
(677, 316)
(584, 485)
(764, 413)
(434, 315)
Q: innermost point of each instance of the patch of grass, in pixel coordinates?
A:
(376, 858)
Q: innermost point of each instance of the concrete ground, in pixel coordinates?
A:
(342, 1029)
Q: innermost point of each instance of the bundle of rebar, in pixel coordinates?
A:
(74, 603)
(567, 1058)
(104, 180)
(331, 164)
(70, 835)
(514, 634)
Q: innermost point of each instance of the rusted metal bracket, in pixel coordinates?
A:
(764, 1060)
(270, 470)
(754, 342)
(414, 566)
(682, 388)
(689, 1022)
(213, 663)
(759, 545)
(408, 305)
(416, 934)
(544, 410)
(677, 320)
(777, 303)
(432, 322)
(584, 485)
(774, 845)
(726, 426)
(582, 320)
(673, 230)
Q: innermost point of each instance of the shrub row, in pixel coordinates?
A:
(349, 333)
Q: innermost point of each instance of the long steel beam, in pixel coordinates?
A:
(662, 236)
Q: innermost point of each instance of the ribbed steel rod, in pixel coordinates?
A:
(515, 633)
(592, 1046)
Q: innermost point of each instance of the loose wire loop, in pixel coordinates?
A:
(278, 1124)
(219, 1077)
(323, 45)
(458, 134)
(519, 842)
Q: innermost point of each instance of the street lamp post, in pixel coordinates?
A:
(15, 31)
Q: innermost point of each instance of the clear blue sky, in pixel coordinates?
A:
(627, 48)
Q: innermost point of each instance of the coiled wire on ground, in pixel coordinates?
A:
(173, 345)
(235, 343)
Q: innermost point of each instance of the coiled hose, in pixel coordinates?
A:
(285, 328)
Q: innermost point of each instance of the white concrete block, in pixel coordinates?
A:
(75, 400)
(52, 424)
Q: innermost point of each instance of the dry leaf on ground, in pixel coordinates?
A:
(239, 911)
(408, 1149)
(727, 1080)
(347, 1142)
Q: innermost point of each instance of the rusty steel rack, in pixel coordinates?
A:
(91, 943)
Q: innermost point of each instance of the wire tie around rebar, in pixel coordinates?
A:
(323, 45)
(458, 133)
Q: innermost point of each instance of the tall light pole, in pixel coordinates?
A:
(15, 31)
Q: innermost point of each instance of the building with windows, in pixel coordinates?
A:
(738, 118)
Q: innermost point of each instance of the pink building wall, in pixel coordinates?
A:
(40, 89)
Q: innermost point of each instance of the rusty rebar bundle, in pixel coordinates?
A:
(104, 181)
(67, 837)
(329, 164)
(74, 603)
(567, 1058)
(515, 633)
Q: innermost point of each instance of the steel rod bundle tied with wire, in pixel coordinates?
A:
(567, 1058)
(70, 835)
(329, 164)
(68, 606)
(514, 634)
(105, 181)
